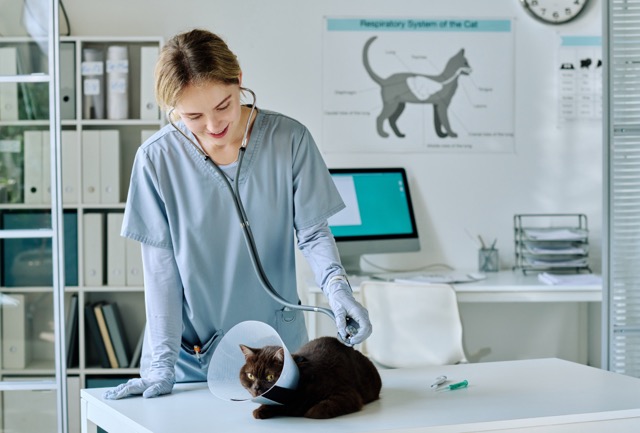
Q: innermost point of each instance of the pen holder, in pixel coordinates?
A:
(488, 260)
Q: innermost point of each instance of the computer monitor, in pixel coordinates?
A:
(379, 215)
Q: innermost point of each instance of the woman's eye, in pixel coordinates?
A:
(224, 107)
(250, 376)
(270, 377)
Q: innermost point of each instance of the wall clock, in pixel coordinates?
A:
(554, 11)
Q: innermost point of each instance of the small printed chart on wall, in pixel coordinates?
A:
(418, 85)
(579, 78)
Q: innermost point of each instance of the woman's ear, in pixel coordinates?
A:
(240, 79)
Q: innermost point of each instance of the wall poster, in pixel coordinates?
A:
(418, 85)
(579, 78)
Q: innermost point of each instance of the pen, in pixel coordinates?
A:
(438, 381)
(493, 245)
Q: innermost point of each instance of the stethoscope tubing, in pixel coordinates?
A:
(234, 191)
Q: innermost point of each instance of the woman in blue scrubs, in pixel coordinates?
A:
(198, 275)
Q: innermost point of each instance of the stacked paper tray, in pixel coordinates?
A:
(552, 247)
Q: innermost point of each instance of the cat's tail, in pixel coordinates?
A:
(365, 61)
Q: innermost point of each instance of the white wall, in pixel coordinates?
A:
(279, 45)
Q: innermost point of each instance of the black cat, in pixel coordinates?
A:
(334, 379)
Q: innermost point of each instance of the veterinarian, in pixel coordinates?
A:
(198, 274)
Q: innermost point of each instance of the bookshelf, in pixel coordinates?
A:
(107, 108)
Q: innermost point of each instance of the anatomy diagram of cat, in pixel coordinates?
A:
(406, 87)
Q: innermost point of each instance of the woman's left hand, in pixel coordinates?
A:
(344, 305)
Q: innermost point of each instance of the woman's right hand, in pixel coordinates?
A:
(152, 386)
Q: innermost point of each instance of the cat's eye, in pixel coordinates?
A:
(270, 377)
(250, 376)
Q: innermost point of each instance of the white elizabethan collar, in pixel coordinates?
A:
(223, 376)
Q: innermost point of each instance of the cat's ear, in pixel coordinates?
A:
(248, 352)
(279, 355)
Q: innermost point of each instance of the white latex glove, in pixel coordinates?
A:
(153, 386)
(343, 304)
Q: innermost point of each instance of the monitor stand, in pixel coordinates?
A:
(351, 264)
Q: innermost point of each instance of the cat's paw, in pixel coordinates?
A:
(263, 412)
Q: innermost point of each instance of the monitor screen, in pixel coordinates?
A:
(379, 215)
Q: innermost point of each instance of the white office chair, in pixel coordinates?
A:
(413, 324)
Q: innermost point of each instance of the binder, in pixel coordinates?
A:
(8, 91)
(117, 82)
(93, 247)
(91, 166)
(11, 170)
(104, 333)
(73, 403)
(116, 250)
(109, 166)
(117, 333)
(135, 357)
(46, 167)
(133, 256)
(71, 332)
(148, 105)
(15, 332)
(33, 159)
(67, 80)
(70, 150)
(93, 83)
(94, 334)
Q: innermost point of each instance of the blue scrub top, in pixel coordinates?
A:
(178, 201)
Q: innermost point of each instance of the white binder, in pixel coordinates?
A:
(92, 249)
(91, 167)
(46, 167)
(67, 80)
(110, 166)
(8, 91)
(148, 104)
(93, 83)
(33, 167)
(134, 263)
(15, 332)
(116, 252)
(70, 150)
(118, 82)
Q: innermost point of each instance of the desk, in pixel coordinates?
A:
(547, 395)
(504, 286)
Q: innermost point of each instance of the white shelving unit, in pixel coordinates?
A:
(82, 158)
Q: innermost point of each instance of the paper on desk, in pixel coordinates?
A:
(570, 280)
(560, 234)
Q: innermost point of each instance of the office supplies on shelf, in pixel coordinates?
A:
(8, 91)
(117, 82)
(92, 70)
(547, 242)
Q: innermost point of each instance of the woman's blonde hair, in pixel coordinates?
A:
(194, 57)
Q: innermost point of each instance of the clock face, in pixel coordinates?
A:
(554, 11)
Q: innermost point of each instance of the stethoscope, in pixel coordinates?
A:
(234, 190)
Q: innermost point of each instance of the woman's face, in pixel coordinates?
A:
(212, 113)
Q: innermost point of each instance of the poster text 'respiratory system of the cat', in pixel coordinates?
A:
(418, 85)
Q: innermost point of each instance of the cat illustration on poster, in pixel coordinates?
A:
(407, 87)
